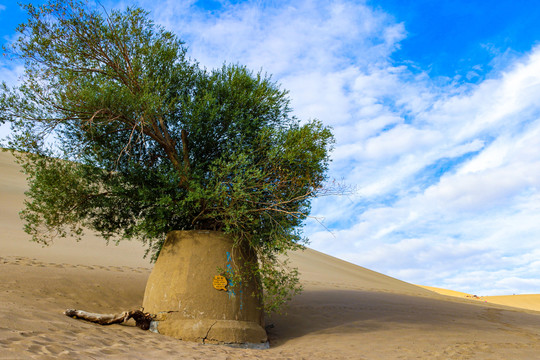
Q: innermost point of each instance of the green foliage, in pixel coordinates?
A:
(146, 141)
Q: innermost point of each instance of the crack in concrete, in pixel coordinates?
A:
(208, 332)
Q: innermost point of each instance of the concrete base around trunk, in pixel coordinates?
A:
(180, 292)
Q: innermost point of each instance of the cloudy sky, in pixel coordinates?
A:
(436, 110)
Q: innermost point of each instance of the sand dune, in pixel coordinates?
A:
(526, 301)
(345, 312)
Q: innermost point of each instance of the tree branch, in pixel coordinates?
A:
(142, 320)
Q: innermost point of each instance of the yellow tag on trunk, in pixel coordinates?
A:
(220, 282)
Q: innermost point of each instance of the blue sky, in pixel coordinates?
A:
(436, 110)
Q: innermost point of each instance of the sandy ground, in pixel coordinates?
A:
(345, 312)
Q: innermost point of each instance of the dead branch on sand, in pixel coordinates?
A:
(142, 319)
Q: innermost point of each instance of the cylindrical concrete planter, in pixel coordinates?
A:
(181, 292)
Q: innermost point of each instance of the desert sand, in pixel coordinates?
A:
(345, 311)
(525, 301)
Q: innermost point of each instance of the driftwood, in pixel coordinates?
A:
(142, 319)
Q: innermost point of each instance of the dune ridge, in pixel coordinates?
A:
(345, 311)
(521, 301)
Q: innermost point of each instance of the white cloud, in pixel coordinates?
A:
(10, 74)
(402, 139)
(480, 215)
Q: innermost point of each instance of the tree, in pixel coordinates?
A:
(145, 141)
